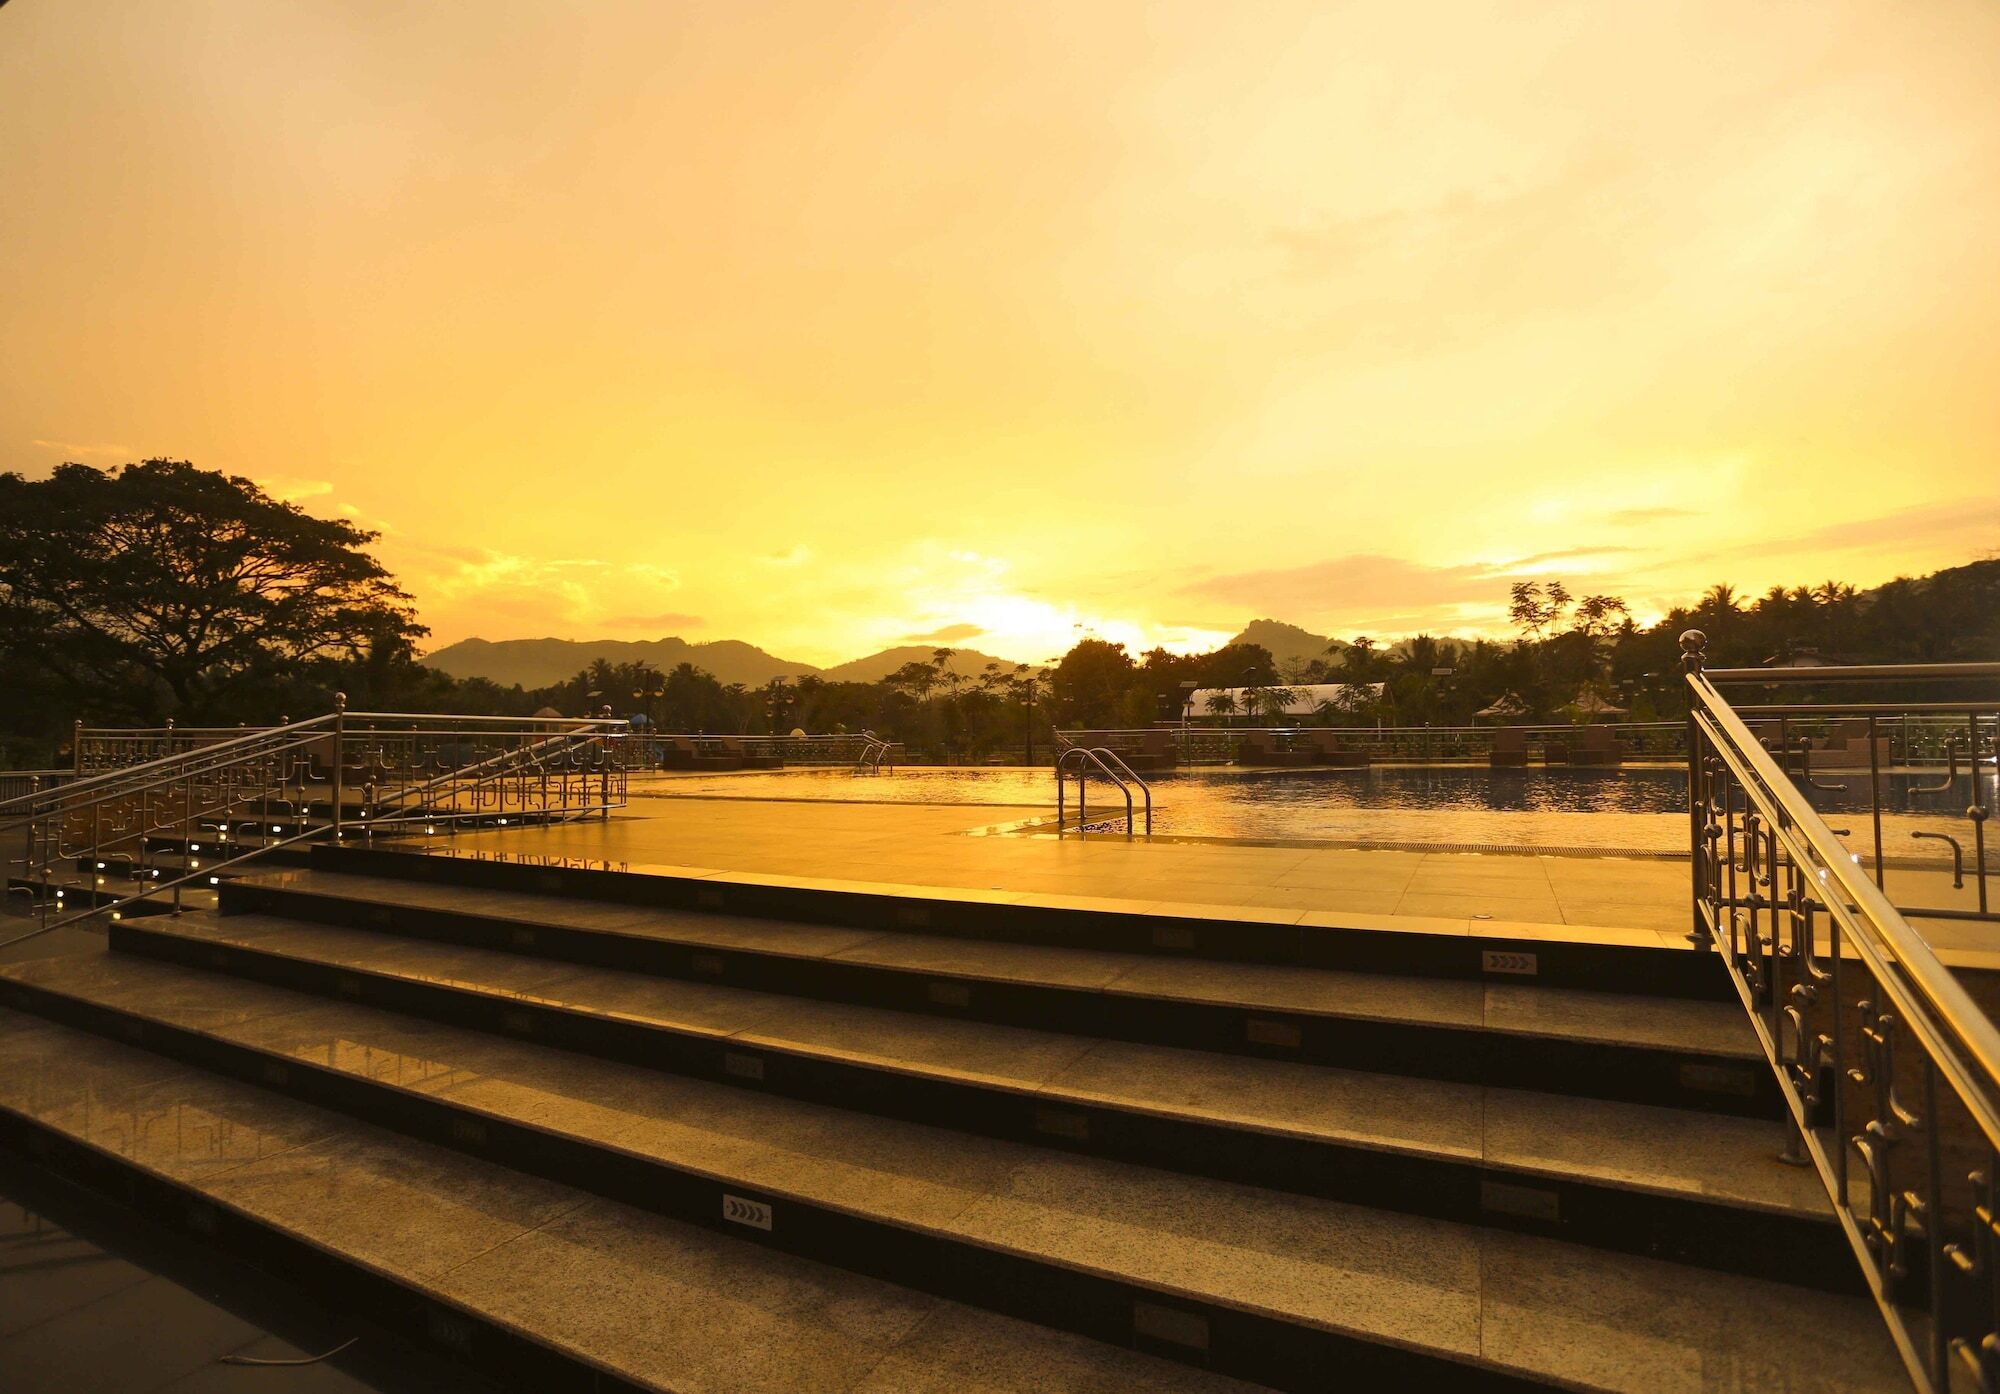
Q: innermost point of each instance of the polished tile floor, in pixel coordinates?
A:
(942, 845)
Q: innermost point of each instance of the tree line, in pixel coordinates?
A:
(160, 590)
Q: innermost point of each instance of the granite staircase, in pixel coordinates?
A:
(608, 1129)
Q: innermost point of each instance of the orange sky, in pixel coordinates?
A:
(828, 325)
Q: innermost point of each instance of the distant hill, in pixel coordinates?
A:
(533, 663)
(877, 666)
(544, 662)
(1289, 645)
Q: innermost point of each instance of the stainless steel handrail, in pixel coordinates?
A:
(875, 750)
(1196, 744)
(1107, 755)
(209, 874)
(1854, 672)
(1076, 759)
(152, 778)
(456, 719)
(33, 782)
(204, 754)
(498, 765)
(1889, 1069)
(279, 785)
(1877, 927)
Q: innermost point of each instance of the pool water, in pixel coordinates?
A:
(1636, 807)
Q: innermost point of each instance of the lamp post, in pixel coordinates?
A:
(1441, 681)
(778, 709)
(1026, 687)
(652, 687)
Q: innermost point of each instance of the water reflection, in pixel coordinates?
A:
(1634, 807)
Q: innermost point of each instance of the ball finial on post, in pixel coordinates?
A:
(1694, 644)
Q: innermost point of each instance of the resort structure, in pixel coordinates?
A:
(999, 697)
(529, 1047)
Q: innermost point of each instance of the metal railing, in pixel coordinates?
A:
(669, 749)
(98, 749)
(450, 769)
(1078, 761)
(1913, 736)
(96, 841)
(126, 838)
(16, 784)
(1223, 745)
(1889, 1068)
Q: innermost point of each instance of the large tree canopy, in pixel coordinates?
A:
(165, 589)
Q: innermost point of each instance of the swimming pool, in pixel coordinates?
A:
(1636, 807)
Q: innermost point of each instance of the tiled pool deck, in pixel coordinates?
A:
(930, 845)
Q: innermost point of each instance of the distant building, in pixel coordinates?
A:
(1307, 699)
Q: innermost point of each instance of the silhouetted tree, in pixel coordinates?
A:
(1090, 684)
(160, 589)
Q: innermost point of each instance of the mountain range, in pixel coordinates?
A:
(533, 663)
(1964, 592)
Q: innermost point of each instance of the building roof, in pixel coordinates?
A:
(1307, 699)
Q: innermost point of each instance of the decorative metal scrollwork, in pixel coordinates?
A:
(1973, 1261)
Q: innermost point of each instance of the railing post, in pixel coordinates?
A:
(1693, 645)
(76, 745)
(604, 779)
(339, 775)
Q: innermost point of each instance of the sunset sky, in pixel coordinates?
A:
(829, 326)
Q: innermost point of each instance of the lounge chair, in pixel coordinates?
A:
(1328, 749)
(678, 753)
(1510, 748)
(1847, 748)
(1153, 752)
(1597, 746)
(745, 759)
(1256, 748)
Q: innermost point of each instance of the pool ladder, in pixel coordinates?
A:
(1079, 760)
(873, 753)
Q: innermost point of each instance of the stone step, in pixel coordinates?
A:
(1637, 961)
(1253, 1282)
(533, 1283)
(1656, 1181)
(1620, 1174)
(1506, 1030)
